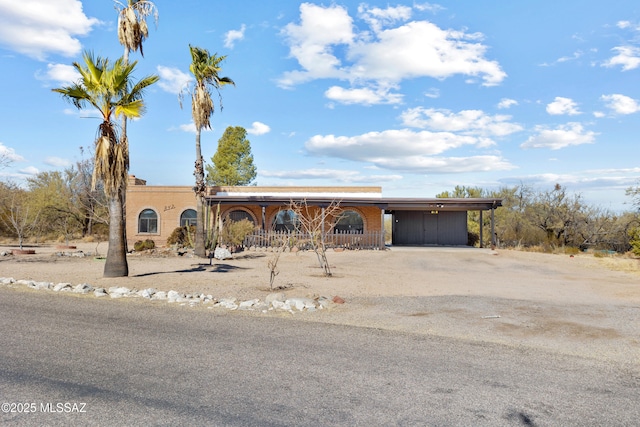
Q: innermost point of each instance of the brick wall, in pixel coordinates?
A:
(169, 202)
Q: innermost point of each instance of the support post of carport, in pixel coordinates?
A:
(481, 230)
(493, 228)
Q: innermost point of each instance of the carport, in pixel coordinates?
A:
(437, 221)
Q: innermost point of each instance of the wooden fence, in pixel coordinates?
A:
(335, 239)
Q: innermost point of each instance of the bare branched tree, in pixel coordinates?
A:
(316, 223)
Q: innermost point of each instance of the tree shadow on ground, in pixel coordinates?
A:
(217, 268)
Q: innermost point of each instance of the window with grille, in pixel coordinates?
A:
(148, 221)
(350, 222)
(188, 217)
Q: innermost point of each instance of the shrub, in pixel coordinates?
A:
(143, 245)
(234, 232)
(182, 236)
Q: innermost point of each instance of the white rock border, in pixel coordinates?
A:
(273, 302)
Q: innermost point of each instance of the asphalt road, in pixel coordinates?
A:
(71, 360)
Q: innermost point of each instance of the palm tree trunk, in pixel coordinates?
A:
(199, 189)
(116, 263)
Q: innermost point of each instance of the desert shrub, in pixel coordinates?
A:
(634, 240)
(182, 236)
(234, 232)
(473, 239)
(143, 245)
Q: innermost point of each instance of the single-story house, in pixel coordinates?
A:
(153, 212)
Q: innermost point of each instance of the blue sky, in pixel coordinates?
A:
(414, 97)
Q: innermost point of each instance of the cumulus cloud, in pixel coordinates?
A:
(327, 44)
(563, 136)
(173, 80)
(378, 18)
(62, 74)
(621, 104)
(563, 106)
(405, 150)
(57, 162)
(468, 122)
(339, 175)
(507, 103)
(9, 154)
(363, 96)
(29, 170)
(232, 36)
(628, 57)
(38, 28)
(258, 128)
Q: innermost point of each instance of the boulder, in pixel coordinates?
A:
(222, 253)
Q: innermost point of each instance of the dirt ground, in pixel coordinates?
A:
(580, 305)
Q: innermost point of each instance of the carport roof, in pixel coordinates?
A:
(385, 203)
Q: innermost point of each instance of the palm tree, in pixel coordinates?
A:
(132, 24)
(205, 69)
(109, 88)
(132, 31)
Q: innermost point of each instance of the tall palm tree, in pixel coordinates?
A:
(109, 88)
(132, 31)
(132, 24)
(205, 69)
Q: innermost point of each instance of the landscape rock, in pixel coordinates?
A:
(277, 296)
(301, 303)
(338, 300)
(222, 253)
(41, 285)
(62, 287)
(119, 292)
(174, 296)
(83, 288)
(147, 293)
(229, 303)
(246, 305)
(161, 295)
(100, 292)
(7, 280)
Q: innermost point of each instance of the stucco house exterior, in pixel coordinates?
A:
(153, 212)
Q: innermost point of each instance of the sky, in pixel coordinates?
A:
(414, 97)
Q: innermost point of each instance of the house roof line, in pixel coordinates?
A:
(385, 203)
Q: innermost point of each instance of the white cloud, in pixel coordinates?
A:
(338, 175)
(57, 162)
(507, 103)
(258, 128)
(232, 36)
(413, 50)
(428, 7)
(561, 137)
(37, 28)
(621, 104)
(9, 154)
(61, 73)
(406, 150)
(562, 106)
(469, 122)
(173, 80)
(364, 96)
(378, 18)
(310, 42)
(29, 170)
(628, 57)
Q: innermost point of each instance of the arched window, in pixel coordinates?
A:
(349, 222)
(188, 217)
(148, 221)
(239, 215)
(286, 220)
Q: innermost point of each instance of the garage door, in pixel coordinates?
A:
(429, 228)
